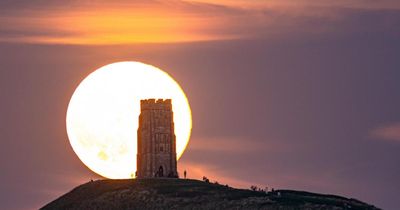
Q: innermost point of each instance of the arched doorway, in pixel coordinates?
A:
(160, 172)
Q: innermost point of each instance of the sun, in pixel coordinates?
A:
(102, 115)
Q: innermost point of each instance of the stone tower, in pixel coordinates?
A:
(156, 155)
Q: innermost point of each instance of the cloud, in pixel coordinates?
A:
(388, 132)
(197, 165)
(235, 161)
(126, 22)
(225, 144)
(196, 170)
(360, 4)
(100, 22)
(238, 145)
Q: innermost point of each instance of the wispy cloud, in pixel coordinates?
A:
(208, 155)
(265, 163)
(226, 144)
(197, 170)
(99, 22)
(160, 21)
(388, 132)
(363, 4)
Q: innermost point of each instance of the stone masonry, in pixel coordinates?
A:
(156, 155)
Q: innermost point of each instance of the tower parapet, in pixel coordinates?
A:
(153, 104)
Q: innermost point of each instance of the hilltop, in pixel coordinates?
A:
(191, 194)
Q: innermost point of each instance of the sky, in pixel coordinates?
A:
(284, 94)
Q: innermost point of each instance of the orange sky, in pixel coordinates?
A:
(101, 22)
(117, 24)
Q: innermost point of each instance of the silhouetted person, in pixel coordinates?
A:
(205, 179)
(184, 174)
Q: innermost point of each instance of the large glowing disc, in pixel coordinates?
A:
(102, 116)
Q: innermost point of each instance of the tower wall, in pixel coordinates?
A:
(156, 155)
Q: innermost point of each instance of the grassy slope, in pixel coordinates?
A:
(190, 194)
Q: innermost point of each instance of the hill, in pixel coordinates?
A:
(191, 194)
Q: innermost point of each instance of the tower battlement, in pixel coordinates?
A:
(156, 104)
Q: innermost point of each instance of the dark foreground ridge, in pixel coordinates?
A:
(191, 194)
